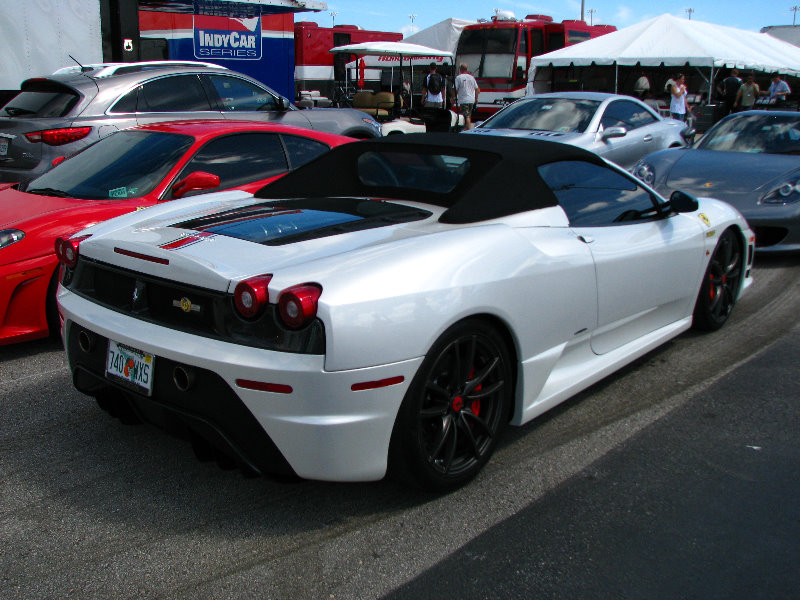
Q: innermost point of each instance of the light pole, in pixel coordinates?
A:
(412, 17)
(591, 12)
(689, 12)
(794, 10)
(333, 14)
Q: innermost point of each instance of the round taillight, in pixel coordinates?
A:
(298, 305)
(251, 295)
(67, 250)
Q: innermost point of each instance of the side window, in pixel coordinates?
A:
(623, 113)
(239, 95)
(239, 159)
(302, 150)
(127, 104)
(182, 93)
(597, 196)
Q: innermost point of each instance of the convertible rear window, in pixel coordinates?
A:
(435, 173)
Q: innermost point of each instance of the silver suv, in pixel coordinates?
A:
(59, 114)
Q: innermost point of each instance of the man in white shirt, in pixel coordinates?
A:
(465, 94)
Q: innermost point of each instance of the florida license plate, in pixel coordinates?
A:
(3, 146)
(131, 367)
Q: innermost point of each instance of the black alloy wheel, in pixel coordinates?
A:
(455, 408)
(721, 283)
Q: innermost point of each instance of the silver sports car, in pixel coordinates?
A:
(58, 115)
(749, 159)
(619, 128)
(393, 304)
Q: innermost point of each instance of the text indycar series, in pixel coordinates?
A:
(393, 304)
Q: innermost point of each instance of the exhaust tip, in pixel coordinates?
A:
(85, 341)
(183, 378)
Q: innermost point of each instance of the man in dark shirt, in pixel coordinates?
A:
(730, 87)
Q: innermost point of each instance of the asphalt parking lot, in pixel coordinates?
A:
(677, 477)
(702, 504)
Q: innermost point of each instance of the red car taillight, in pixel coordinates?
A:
(297, 305)
(58, 137)
(67, 250)
(251, 295)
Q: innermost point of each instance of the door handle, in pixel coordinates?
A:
(647, 138)
(586, 239)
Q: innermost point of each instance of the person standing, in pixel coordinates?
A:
(679, 106)
(778, 90)
(747, 94)
(642, 87)
(465, 94)
(433, 89)
(730, 89)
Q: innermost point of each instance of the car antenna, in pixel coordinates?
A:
(83, 69)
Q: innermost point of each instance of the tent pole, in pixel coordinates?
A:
(711, 85)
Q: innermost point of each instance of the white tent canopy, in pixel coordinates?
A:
(398, 49)
(672, 41)
(443, 34)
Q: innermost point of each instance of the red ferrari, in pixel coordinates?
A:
(129, 170)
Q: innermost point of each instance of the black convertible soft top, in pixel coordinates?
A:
(500, 177)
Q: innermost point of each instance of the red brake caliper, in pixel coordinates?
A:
(475, 406)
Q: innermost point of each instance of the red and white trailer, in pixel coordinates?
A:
(498, 52)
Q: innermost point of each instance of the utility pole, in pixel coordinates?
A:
(333, 14)
(689, 12)
(591, 12)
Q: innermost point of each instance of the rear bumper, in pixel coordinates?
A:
(316, 427)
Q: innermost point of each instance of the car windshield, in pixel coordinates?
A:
(126, 164)
(545, 114)
(756, 133)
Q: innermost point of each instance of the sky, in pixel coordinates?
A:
(394, 15)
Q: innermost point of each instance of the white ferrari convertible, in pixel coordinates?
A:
(391, 306)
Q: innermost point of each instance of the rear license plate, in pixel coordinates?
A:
(130, 367)
(3, 146)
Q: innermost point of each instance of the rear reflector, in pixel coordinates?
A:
(132, 254)
(263, 386)
(371, 385)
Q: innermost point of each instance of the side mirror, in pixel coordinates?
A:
(614, 132)
(283, 103)
(197, 180)
(681, 202)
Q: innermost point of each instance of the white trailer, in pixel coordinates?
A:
(38, 36)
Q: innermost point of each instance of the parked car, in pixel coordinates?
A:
(127, 171)
(396, 302)
(749, 159)
(59, 114)
(619, 128)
